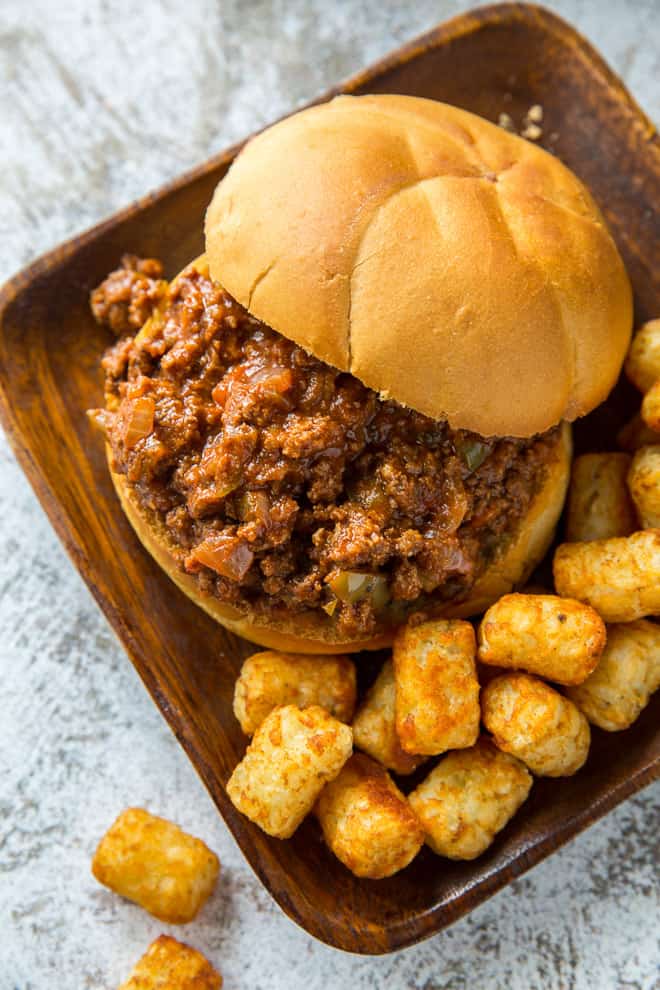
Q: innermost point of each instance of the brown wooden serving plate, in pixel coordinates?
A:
(501, 58)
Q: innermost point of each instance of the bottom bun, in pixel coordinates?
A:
(315, 632)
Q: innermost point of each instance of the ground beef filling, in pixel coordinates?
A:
(286, 484)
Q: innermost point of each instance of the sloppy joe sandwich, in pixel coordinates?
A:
(353, 409)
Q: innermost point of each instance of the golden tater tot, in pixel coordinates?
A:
(624, 680)
(271, 679)
(468, 798)
(293, 753)
(644, 483)
(651, 407)
(558, 638)
(374, 730)
(643, 362)
(366, 820)
(171, 965)
(636, 434)
(599, 504)
(620, 577)
(532, 721)
(151, 861)
(437, 691)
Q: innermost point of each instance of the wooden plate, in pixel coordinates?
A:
(502, 58)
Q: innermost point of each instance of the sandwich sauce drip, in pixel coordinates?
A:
(284, 483)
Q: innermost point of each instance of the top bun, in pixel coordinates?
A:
(444, 262)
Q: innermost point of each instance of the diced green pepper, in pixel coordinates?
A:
(474, 453)
(353, 586)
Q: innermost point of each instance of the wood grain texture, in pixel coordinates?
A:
(506, 57)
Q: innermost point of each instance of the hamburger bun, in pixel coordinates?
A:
(446, 263)
(316, 632)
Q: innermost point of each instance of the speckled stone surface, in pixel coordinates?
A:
(101, 100)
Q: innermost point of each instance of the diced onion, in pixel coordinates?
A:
(139, 421)
(231, 557)
(275, 378)
(253, 505)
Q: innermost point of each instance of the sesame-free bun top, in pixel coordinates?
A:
(444, 262)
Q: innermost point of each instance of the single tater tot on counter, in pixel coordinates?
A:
(271, 679)
(599, 504)
(154, 863)
(171, 965)
(366, 820)
(535, 723)
(644, 484)
(643, 362)
(374, 729)
(636, 434)
(557, 638)
(620, 577)
(437, 691)
(628, 673)
(651, 407)
(468, 798)
(293, 753)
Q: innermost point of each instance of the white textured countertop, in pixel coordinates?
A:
(103, 100)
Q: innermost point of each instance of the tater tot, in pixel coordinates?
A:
(558, 638)
(293, 753)
(532, 721)
(636, 434)
(171, 965)
(651, 407)
(624, 680)
(437, 691)
(151, 861)
(599, 504)
(643, 362)
(468, 798)
(644, 483)
(271, 679)
(620, 577)
(374, 730)
(366, 820)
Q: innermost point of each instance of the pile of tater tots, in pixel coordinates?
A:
(492, 706)
(501, 706)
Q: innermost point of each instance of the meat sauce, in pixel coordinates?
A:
(285, 483)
